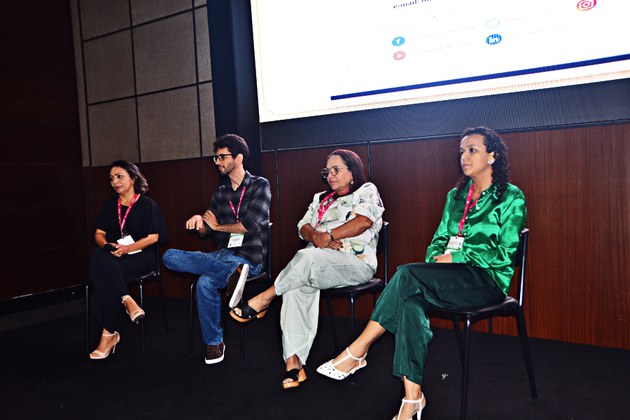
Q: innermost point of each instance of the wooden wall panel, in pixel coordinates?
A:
(414, 178)
(56, 185)
(577, 185)
(269, 172)
(576, 182)
(41, 215)
(52, 137)
(181, 188)
(43, 270)
(298, 180)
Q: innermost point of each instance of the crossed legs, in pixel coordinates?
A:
(310, 270)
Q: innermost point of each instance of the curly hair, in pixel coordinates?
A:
(354, 164)
(500, 167)
(235, 144)
(140, 184)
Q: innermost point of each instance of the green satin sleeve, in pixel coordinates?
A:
(442, 235)
(491, 232)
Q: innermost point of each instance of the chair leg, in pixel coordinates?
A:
(465, 359)
(522, 332)
(242, 336)
(332, 323)
(163, 304)
(460, 338)
(352, 312)
(87, 318)
(190, 318)
(141, 287)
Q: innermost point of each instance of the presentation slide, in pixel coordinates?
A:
(329, 56)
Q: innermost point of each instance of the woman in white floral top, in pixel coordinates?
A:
(341, 226)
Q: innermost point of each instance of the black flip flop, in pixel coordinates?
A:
(248, 313)
(296, 375)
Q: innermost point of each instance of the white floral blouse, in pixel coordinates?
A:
(365, 201)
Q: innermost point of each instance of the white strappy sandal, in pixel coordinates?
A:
(329, 368)
(418, 413)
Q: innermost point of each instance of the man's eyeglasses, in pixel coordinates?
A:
(221, 157)
(332, 171)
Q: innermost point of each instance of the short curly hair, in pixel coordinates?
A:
(500, 167)
(235, 144)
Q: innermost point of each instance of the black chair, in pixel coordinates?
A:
(509, 307)
(265, 275)
(374, 285)
(152, 275)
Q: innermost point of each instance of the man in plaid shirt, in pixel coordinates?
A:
(237, 222)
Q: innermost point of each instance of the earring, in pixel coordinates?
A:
(352, 182)
(490, 161)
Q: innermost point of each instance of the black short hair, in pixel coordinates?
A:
(234, 143)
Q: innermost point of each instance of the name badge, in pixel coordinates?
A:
(236, 240)
(128, 240)
(456, 243)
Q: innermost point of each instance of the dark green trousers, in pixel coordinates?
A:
(417, 288)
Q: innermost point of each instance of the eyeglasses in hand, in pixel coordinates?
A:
(221, 157)
(332, 171)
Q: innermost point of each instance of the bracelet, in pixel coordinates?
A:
(329, 231)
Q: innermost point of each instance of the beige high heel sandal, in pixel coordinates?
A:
(99, 354)
(418, 413)
(136, 314)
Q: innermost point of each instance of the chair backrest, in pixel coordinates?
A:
(267, 254)
(520, 262)
(158, 259)
(383, 246)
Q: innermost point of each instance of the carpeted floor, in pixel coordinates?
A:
(47, 375)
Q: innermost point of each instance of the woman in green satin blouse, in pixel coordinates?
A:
(468, 263)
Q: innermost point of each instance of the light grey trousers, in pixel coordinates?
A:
(311, 270)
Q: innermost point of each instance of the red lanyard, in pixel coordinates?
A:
(324, 206)
(122, 222)
(467, 208)
(237, 211)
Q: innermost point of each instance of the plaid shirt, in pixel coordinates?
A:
(253, 215)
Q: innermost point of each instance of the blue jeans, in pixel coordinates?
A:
(214, 269)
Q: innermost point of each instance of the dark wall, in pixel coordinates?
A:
(544, 109)
(576, 182)
(181, 188)
(576, 185)
(41, 212)
(235, 105)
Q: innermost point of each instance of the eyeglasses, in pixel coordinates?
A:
(221, 157)
(332, 171)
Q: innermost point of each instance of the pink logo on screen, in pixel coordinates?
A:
(399, 55)
(584, 5)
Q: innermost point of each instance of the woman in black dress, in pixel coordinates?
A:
(128, 227)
